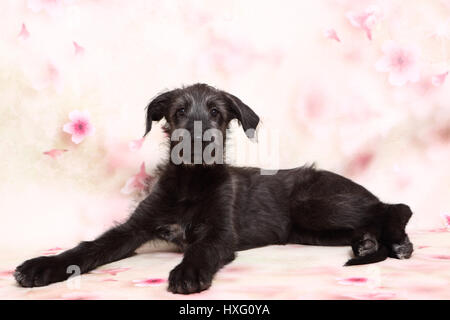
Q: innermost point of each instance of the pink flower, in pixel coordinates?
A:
(359, 162)
(55, 153)
(24, 34)
(331, 34)
(80, 127)
(6, 274)
(136, 182)
(148, 282)
(446, 219)
(78, 49)
(353, 281)
(439, 79)
(135, 145)
(365, 20)
(52, 251)
(402, 63)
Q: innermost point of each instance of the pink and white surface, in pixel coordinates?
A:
(359, 87)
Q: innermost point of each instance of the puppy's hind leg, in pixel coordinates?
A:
(394, 233)
(402, 250)
(367, 249)
(367, 244)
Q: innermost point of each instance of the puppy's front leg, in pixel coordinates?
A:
(202, 259)
(117, 243)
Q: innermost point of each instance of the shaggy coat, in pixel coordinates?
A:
(213, 210)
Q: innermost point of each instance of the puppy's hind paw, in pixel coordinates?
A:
(402, 250)
(365, 246)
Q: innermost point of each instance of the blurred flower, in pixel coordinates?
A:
(52, 251)
(148, 282)
(78, 49)
(80, 127)
(135, 145)
(55, 153)
(365, 20)
(331, 34)
(136, 182)
(446, 219)
(439, 79)
(24, 34)
(6, 274)
(402, 63)
(353, 281)
(359, 162)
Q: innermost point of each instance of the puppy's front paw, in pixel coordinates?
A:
(41, 271)
(186, 279)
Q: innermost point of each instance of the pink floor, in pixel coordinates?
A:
(275, 272)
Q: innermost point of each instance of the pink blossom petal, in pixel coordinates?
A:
(6, 274)
(135, 145)
(446, 219)
(24, 34)
(52, 251)
(77, 139)
(360, 162)
(149, 282)
(331, 34)
(137, 182)
(79, 50)
(55, 153)
(129, 186)
(445, 257)
(439, 79)
(353, 281)
(365, 20)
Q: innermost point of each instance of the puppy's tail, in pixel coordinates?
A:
(381, 254)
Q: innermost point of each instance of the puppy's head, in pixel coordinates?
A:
(198, 115)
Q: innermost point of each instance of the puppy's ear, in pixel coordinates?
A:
(246, 116)
(156, 108)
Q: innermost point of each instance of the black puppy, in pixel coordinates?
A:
(213, 210)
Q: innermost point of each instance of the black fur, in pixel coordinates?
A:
(212, 211)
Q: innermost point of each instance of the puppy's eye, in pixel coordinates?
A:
(214, 112)
(181, 112)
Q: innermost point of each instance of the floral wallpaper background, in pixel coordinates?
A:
(358, 87)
